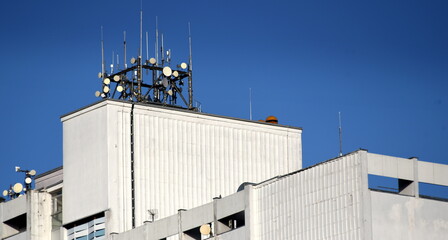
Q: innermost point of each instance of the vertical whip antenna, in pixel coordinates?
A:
(147, 50)
(118, 63)
(125, 64)
(161, 51)
(157, 41)
(340, 135)
(103, 67)
(141, 33)
(113, 61)
(190, 70)
(250, 103)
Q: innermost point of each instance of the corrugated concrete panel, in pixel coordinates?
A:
(13, 208)
(182, 159)
(322, 202)
(398, 217)
(433, 173)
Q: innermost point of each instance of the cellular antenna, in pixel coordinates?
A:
(128, 83)
(190, 70)
(340, 135)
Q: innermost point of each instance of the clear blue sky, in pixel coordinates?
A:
(383, 64)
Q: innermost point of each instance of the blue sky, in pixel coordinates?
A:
(383, 64)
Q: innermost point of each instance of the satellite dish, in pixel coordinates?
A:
(165, 82)
(205, 229)
(176, 74)
(106, 81)
(183, 65)
(133, 60)
(117, 78)
(103, 95)
(152, 61)
(170, 92)
(167, 71)
(106, 89)
(5, 193)
(97, 94)
(100, 75)
(28, 180)
(120, 88)
(32, 172)
(17, 188)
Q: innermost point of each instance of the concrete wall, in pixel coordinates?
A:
(326, 201)
(85, 149)
(399, 217)
(182, 159)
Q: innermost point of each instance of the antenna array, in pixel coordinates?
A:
(163, 85)
(17, 189)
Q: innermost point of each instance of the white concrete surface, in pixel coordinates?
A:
(182, 159)
(398, 217)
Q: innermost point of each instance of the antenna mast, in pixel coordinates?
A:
(190, 70)
(103, 67)
(127, 83)
(250, 103)
(340, 135)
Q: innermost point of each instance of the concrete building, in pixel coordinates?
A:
(129, 170)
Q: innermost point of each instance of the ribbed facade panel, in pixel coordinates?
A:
(323, 202)
(183, 160)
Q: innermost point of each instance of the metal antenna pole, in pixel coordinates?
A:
(124, 58)
(147, 50)
(139, 71)
(340, 135)
(103, 67)
(250, 103)
(157, 42)
(190, 70)
(162, 53)
(113, 61)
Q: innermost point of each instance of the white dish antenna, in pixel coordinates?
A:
(116, 78)
(32, 172)
(152, 61)
(170, 92)
(97, 94)
(106, 89)
(176, 74)
(183, 65)
(28, 180)
(17, 188)
(133, 60)
(106, 81)
(120, 88)
(167, 71)
(100, 75)
(205, 229)
(5, 193)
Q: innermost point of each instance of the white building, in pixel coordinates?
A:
(129, 169)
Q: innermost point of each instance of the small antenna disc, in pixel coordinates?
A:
(205, 229)
(100, 75)
(5, 193)
(28, 180)
(165, 82)
(167, 71)
(183, 65)
(32, 172)
(152, 61)
(17, 188)
(133, 60)
(97, 94)
(120, 88)
(117, 78)
(106, 81)
(106, 89)
(176, 74)
(170, 92)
